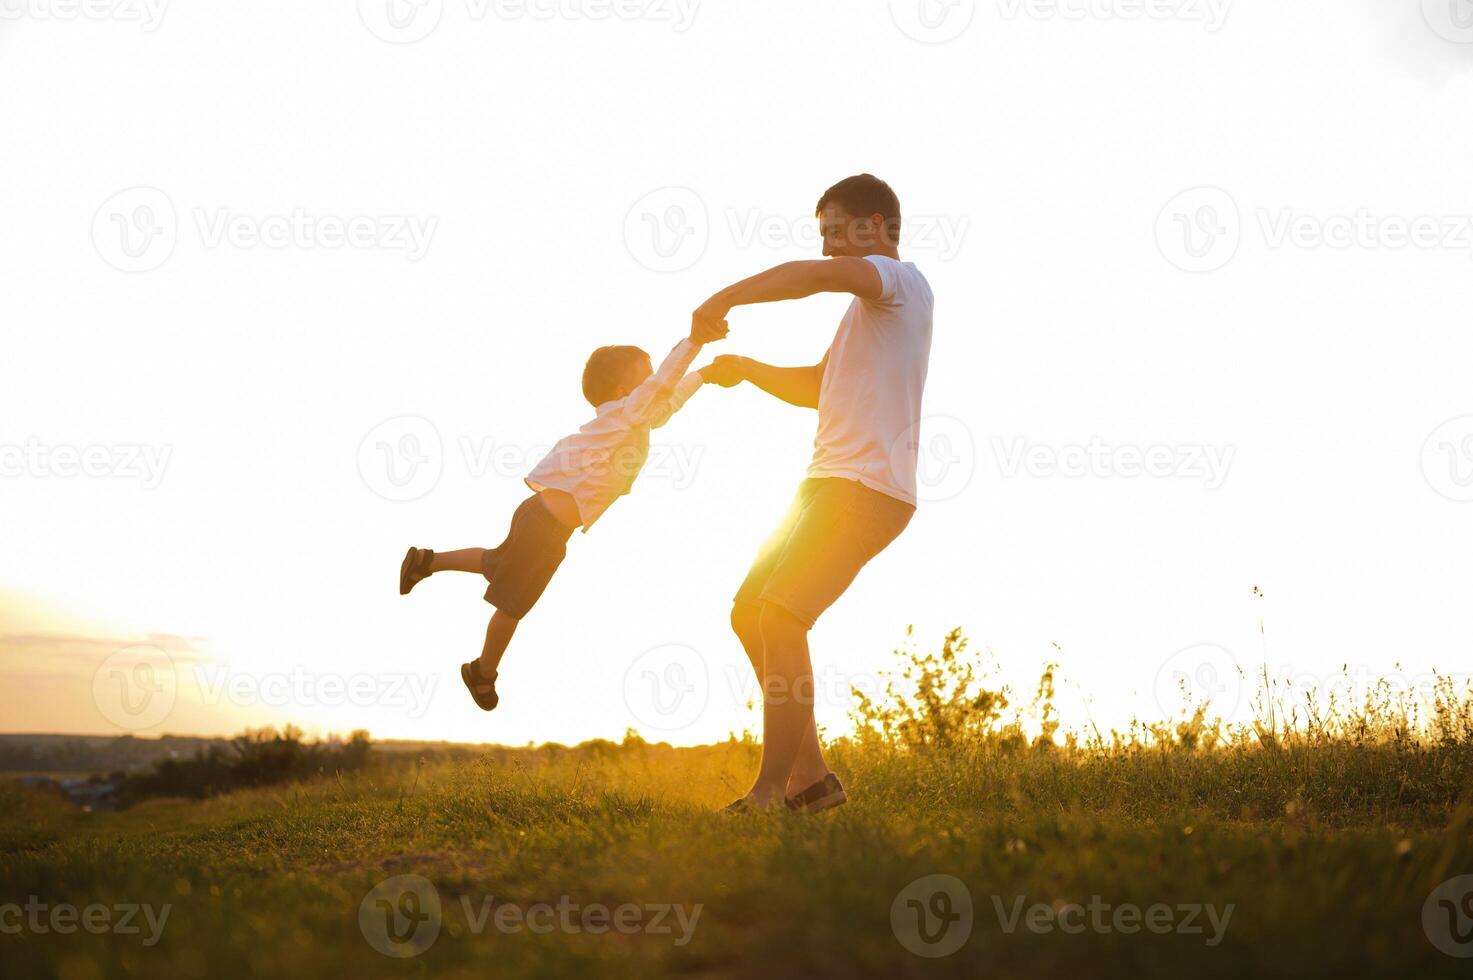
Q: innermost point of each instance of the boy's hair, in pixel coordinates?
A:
(605, 371)
(862, 196)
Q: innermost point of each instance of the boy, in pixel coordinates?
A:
(573, 486)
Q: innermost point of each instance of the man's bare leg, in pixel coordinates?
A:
(466, 560)
(498, 634)
(809, 767)
(787, 706)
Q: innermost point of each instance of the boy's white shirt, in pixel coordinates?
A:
(598, 464)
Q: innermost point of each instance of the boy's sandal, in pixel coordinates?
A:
(482, 688)
(414, 569)
(823, 795)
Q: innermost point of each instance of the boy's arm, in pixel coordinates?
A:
(797, 386)
(797, 280)
(646, 403)
(688, 385)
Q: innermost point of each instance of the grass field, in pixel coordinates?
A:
(1273, 856)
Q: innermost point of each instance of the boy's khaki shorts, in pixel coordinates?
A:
(519, 569)
(834, 527)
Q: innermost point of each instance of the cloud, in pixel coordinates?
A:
(1433, 37)
(67, 652)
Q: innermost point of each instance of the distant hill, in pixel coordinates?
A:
(94, 753)
(103, 754)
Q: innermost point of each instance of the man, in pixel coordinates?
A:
(860, 491)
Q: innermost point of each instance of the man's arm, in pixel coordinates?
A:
(795, 385)
(797, 280)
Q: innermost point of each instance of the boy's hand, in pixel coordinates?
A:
(728, 371)
(706, 330)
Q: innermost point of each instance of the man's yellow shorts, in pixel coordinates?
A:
(834, 527)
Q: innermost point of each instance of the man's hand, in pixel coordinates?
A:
(706, 330)
(728, 371)
(715, 308)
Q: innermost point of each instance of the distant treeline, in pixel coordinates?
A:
(93, 754)
(262, 757)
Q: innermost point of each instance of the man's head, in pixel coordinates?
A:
(859, 216)
(613, 372)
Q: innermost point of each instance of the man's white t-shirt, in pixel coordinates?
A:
(869, 405)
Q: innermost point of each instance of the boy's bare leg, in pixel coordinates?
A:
(466, 560)
(809, 766)
(498, 634)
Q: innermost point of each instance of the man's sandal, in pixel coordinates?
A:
(823, 795)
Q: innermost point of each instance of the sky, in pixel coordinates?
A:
(290, 287)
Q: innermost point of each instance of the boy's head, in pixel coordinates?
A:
(859, 216)
(613, 372)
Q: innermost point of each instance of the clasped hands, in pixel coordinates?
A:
(708, 325)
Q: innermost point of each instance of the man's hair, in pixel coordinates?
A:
(605, 371)
(862, 196)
